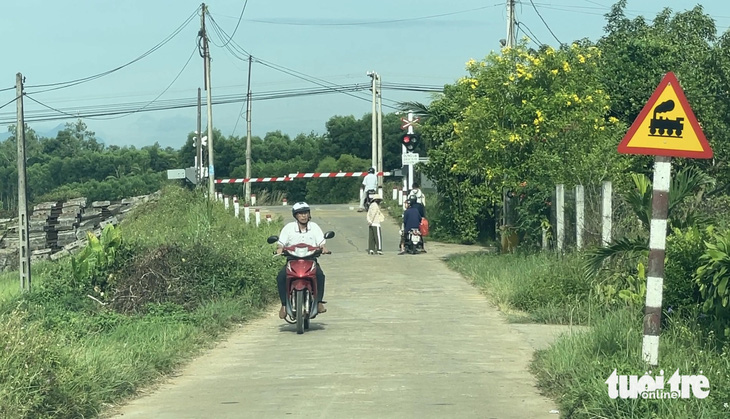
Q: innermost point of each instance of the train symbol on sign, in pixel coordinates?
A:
(660, 125)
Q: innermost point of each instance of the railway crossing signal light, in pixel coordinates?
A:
(410, 141)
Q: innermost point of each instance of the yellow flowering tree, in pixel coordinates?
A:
(524, 120)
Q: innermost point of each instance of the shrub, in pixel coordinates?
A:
(713, 277)
(683, 251)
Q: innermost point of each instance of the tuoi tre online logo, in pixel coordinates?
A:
(648, 387)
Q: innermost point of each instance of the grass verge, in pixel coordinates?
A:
(549, 288)
(192, 269)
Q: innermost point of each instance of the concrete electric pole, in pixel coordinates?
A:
(199, 144)
(374, 136)
(24, 238)
(248, 134)
(380, 134)
(206, 63)
(511, 41)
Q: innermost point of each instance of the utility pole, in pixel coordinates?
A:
(206, 63)
(24, 239)
(374, 136)
(248, 134)
(380, 134)
(511, 42)
(199, 143)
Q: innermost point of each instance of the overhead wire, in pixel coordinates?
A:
(95, 111)
(543, 21)
(381, 22)
(70, 83)
(9, 102)
(532, 35)
(161, 93)
(278, 67)
(245, 3)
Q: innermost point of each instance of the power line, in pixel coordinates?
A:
(9, 103)
(164, 91)
(533, 37)
(277, 67)
(63, 85)
(378, 22)
(543, 21)
(239, 22)
(96, 111)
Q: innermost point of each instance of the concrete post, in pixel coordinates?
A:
(246, 213)
(257, 216)
(579, 216)
(606, 192)
(236, 206)
(560, 215)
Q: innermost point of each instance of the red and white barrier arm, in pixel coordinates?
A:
(334, 174)
(255, 179)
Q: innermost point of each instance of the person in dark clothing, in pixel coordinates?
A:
(411, 220)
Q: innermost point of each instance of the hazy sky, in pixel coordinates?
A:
(419, 42)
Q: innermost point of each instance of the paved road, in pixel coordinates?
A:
(404, 337)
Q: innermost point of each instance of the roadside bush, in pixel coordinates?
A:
(683, 251)
(713, 279)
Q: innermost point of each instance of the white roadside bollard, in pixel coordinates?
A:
(284, 202)
(225, 201)
(236, 206)
(253, 199)
(395, 193)
(246, 213)
(257, 216)
(360, 201)
(268, 218)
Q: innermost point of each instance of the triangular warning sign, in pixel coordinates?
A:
(666, 126)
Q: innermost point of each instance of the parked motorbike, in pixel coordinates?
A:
(414, 241)
(301, 281)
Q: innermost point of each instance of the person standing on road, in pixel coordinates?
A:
(369, 183)
(375, 217)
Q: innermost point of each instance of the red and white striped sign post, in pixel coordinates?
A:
(664, 137)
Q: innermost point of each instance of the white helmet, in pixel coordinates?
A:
(299, 207)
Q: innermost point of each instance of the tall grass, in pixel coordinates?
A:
(575, 369)
(65, 355)
(536, 287)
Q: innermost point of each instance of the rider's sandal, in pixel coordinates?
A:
(321, 305)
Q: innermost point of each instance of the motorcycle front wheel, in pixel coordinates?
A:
(300, 312)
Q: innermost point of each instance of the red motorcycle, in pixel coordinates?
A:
(301, 281)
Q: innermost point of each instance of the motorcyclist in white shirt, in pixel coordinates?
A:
(300, 231)
(369, 183)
